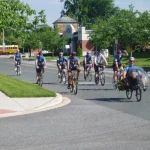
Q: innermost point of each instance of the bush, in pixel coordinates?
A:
(79, 52)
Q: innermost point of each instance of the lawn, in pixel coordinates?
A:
(142, 59)
(17, 88)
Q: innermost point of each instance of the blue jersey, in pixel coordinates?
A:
(73, 61)
(118, 59)
(40, 61)
(61, 60)
(130, 69)
(17, 56)
(88, 59)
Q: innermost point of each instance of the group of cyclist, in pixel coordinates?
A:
(73, 63)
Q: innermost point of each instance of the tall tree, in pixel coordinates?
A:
(87, 11)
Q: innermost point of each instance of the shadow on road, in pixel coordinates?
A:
(98, 89)
(14, 75)
(111, 99)
(51, 83)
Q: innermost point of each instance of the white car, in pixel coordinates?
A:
(45, 51)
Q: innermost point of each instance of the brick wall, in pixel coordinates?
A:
(86, 45)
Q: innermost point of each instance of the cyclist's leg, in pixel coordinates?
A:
(78, 72)
(115, 73)
(37, 74)
(64, 68)
(84, 70)
(133, 77)
(69, 78)
(15, 65)
(20, 66)
(96, 70)
(103, 67)
(59, 68)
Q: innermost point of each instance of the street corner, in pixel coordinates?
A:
(5, 111)
(33, 105)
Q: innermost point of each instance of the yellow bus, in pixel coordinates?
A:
(11, 49)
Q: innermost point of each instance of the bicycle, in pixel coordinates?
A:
(101, 75)
(74, 82)
(88, 73)
(18, 70)
(62, 76)
(40, 77)
(137, 88)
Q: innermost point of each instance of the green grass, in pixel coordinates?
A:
(142, 60)
(48, 58)
(17, 88)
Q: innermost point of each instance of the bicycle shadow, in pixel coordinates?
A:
(98, 89)
(111, 100)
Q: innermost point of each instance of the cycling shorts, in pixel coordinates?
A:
(39, 69)
(96, 67)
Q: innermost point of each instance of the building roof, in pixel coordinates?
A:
(65, 19)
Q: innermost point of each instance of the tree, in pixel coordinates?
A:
(130, 27)
(87, 11)
(14, 13)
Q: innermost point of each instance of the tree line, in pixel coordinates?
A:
(131, 27)
(20, 29)
(108, 22)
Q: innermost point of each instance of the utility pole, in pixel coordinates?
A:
(3, 40)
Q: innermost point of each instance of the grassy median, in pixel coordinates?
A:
(142, 59)
(17, 88)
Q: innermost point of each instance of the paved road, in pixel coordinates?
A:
(97, 118)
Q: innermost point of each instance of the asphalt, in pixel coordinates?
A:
(98, 118)
(20, 106)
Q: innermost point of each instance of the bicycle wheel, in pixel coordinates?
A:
(129, 93)
(114, 83)
(17, 71)
(64, 77)
(90, 76)
(71, 87)
(40, 79)
(75, 87)
(60, 77)
(102, 78)
(138, 94)
(96, 80)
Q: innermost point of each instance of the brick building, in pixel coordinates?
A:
(78, 36)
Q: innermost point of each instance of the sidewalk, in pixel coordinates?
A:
(20, 106)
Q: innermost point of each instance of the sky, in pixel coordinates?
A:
(53, 7)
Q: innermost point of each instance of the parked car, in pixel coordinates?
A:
(45, 51)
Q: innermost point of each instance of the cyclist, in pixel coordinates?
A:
(61, 61)
(132, 73)
(117, 62)
(88, 62)
(99, 58)
(73, 63)
(17, 59)
(40, 63)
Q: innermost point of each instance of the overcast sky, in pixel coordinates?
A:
(53, 7)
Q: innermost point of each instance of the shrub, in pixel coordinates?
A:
(79, 52)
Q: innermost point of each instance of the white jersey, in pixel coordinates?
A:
(99, 59)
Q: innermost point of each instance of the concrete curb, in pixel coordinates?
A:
(56, 102)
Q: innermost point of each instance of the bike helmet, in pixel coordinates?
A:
(40, 53)
(73, 54)
(131, 59)
(60, 53)
(88, 52)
